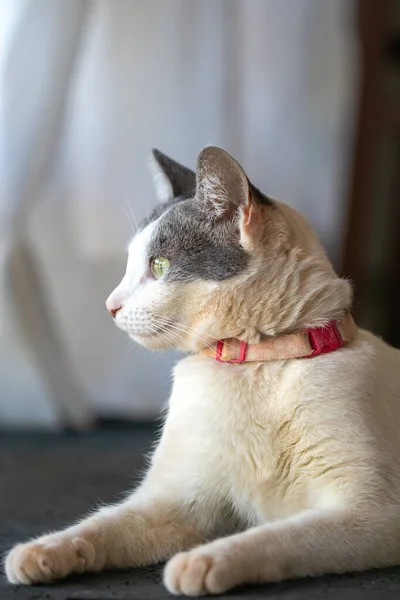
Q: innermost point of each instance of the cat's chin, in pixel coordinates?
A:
(152, 342)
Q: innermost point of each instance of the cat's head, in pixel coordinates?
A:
(219, 259)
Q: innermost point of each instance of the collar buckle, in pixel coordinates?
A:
(242, 353)
(324, 339)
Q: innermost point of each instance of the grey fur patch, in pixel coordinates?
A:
(197, 246)
(161, 209)
(261, 198)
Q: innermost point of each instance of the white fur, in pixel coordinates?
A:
(162, 184)
(137, 267)
(138, 289)
(213, 190)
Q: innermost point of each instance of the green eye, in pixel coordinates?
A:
(159, 266)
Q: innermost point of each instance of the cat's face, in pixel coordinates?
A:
(209, 263)
(176, 269)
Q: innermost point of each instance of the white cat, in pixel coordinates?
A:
(269, 468)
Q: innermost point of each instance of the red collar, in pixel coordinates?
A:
(307, 344)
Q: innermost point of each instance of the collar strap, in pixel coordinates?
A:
(307, 344)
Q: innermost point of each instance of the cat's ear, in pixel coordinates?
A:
(223, 186)
(171, 179)
(221, 182)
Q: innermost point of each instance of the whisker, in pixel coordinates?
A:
(179, 326)
(132, 213)
(178, 329)
(131, 225)
(171, 336)
(185, 329)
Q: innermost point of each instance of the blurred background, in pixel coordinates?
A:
(304, 93)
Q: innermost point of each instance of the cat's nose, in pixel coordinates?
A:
(113, 311)
(113, 304)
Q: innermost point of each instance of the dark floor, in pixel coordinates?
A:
(48, 481)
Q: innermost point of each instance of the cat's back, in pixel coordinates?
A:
(379, 377)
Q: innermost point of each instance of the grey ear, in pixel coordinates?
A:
(221, 182)
(171, 179)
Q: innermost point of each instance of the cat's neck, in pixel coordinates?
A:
(306, 291)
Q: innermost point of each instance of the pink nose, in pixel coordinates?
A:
(113, 305)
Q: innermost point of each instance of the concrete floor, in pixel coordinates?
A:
(47, 481)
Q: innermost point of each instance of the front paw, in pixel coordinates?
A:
(205, 570)
(49, 559)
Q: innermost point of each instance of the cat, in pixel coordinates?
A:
(268, 469)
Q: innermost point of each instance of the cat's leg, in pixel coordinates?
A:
(309, 544)
(140, 531)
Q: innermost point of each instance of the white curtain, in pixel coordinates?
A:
(87, 89)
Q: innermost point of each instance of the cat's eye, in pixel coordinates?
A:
(159, 266)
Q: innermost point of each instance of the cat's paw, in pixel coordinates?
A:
(205, 570)
(49, 559)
